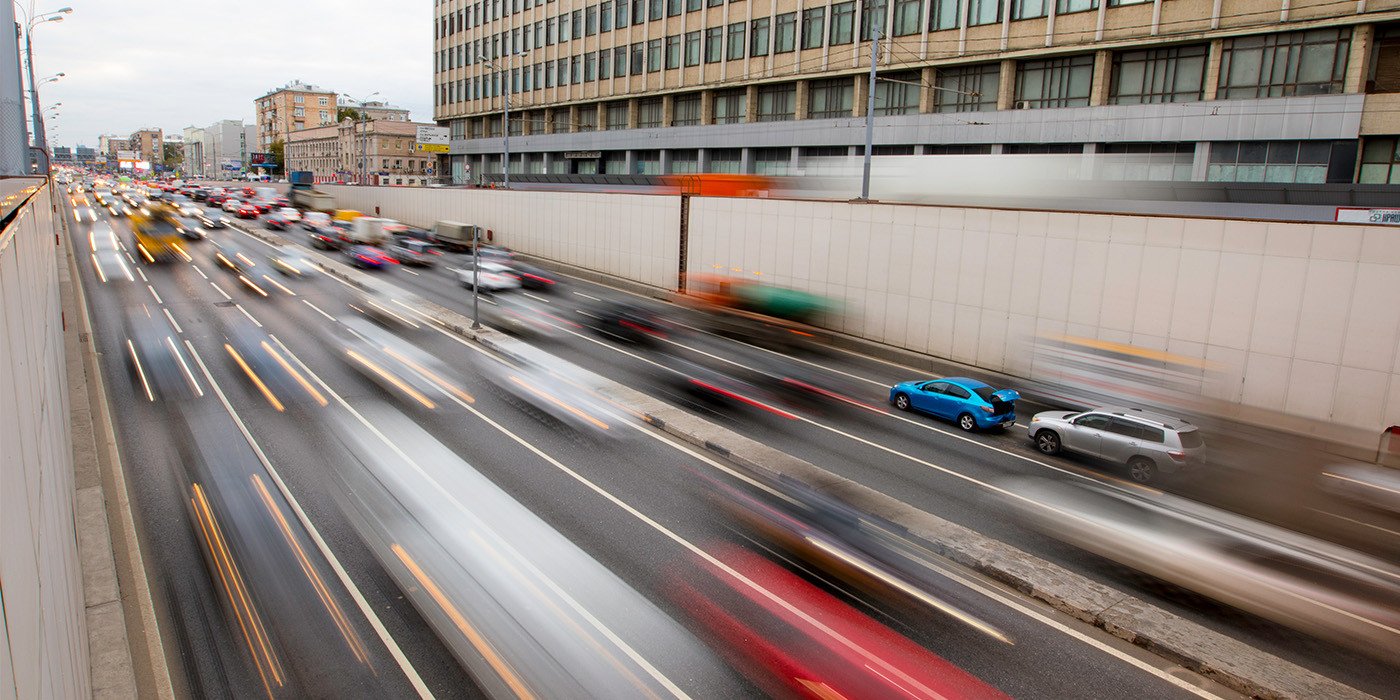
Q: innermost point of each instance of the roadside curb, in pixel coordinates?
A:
(1213, 655)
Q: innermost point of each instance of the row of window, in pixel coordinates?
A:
(610, 14)
(1229, 161)
(1271, 65)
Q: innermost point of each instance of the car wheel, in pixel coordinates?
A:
(1142, 470)
(901, 402)
(967, 422)
(1048, 442)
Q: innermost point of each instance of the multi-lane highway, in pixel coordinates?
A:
(274, 570)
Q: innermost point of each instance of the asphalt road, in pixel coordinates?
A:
(338, 625)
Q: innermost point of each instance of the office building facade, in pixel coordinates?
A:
(1245, 91)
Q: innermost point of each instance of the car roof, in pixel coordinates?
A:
(1164, 420)
(965, 382)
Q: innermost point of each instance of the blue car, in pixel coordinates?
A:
(972, 404)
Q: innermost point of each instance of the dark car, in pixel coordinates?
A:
(532, 277)
(211, 219)
(326, 238)
(278, 221)
(411, 251)
(627, 322)
(189, 228)
(247, 210)
(217, 198)
(368, 257)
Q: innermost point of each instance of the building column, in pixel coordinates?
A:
(629, 164)
(665, 154)
(803, 97)
(668, 114)
(1213, 59)
(928, 99)
(1103, 69)
(703, 159)
(1200, 162)
(1006, 88)
(862, 94)
(707, 108)
(747, 157)
(632, 112)
(795, 160)
(1363, 37)
(751, 104)
(573, 117)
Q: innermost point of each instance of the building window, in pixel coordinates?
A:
(729, 106)
(777, 103)
(785, 33)
(692, 48)
(674, 8)
(590, 21)
(1138, 162)
(906, 17)
(1281, 65)
(758, 37)
(559, 121)
(1274, 161)
(658, 10)
(673, 51)
(639, 11)
(617, 115)
(323, 101)
(1380, 161)
(983, 12)
(577, 72)
(735, 41)
(957, 149)
(588, 118)
(897, 94)
(1028, 9)
(1175, 74)
(727, 160)
(639, 58)
(685, 161)
(693, 5)
(578, 24)
(869, 11)
(549, 74)
(685, 111)
(605, 64)
(714, 3)
(563, 66)
(1054, 82)
(843, 18)
(605, 14)
(772, 161)
(299, 111)
(620, 62)
(620, 15)
(549, 32)
(830, 99)
(649, 113)
(298, 98)
(1385, 70)
(590, 67)
(653, 55)
(967, 88)
(647, 163)
(714, 44)
(813, 27)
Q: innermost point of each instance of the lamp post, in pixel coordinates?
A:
(505, 119)
(877, 9)
(40, 141)
(363, 121)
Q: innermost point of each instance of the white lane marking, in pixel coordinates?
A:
(587, 296)
(201, 272)
(153, 292)
(1358, 522)
(537, 297)
(172, 321)
(250, 316)
(585, 313)
(143, 275)
(539, 575)
(220, 290)
(318, 309)
(278, 285)
(411, 272)
(340, 571)
(128, 256)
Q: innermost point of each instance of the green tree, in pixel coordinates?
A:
(172, 155)
(278, 150)
(342, 113)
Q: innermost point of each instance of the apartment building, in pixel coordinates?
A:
(376, 152)
(374, 109)
(292, 107)
(1287, 91)
(149, 145)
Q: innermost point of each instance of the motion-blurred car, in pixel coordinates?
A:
(626, 322)
(1148, 443)
(231, 256)
(231, 205)
(493, 277)
(189, 228)
(411, 251)
(314, 219)
(368, 257)
(972, 404)
(560, 390)
(279, 220)
(217, 197)
(156, 358)
(246, 210)
(211, 219)
(84, 212)
(325, 240)
(291, 261)
(117, 207)
(535, 278)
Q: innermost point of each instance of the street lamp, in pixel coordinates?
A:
(40, 141)
(364, 135)
(505, 78)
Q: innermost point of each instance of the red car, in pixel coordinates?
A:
(246, 211)
(794, 640)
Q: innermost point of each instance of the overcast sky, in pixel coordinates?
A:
(178, 63)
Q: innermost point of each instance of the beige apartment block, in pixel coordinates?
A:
(148, 144)
(292, 107)
(379, 152)
(1238, 91)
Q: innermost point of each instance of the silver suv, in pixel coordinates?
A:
(1148, 443)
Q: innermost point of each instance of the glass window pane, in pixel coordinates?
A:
(1311, 174)
(1249, 173)
(1279, 173)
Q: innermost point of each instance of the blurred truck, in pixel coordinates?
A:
(369, 230)
(155, 231)
(304, 195)
(454, 235)
(773, 317)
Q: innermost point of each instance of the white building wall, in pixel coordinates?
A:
(43, 650)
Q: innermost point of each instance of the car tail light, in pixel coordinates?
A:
(1177, 456)
(988, 409)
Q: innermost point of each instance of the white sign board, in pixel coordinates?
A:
(432, 135)
(1357, 215)
(126, 155)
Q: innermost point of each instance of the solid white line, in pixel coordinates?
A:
(318, 309)
(537, 297)
(220, 290)
(587, 296)
(153, 291)
(1358, 522)
(172, 321)
(201, 272)
(250, 316)
(340, 571)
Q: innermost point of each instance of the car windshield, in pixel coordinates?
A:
(1191, 438)
(985, 392)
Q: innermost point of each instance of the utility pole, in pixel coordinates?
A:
(870, 98)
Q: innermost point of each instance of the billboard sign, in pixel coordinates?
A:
(430, 147)
(126, 155)
(1359, 215)
(261, 160)
(436, 135)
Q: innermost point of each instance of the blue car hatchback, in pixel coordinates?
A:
(971, 404)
